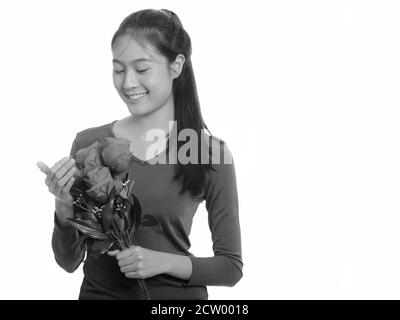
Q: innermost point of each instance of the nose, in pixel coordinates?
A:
(130, 80)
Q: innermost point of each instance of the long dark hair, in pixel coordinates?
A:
(164, 31)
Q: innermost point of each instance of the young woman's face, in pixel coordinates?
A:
(141, 76)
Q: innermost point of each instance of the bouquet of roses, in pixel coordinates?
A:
(106, 213)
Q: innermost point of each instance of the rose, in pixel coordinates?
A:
(92, 161)
(117, 154)
(89, 158)
(79, 182)
(101, 183)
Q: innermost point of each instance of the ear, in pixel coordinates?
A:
(177, 65)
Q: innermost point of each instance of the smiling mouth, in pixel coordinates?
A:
(135, 97)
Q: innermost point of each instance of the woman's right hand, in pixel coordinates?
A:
(59, 178)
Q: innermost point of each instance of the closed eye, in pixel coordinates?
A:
(140, 71)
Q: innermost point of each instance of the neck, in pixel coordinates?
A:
(155, 120)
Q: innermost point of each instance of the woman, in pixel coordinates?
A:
(154, 77)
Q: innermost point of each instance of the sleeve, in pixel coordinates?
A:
(225, 267)
(64, 236)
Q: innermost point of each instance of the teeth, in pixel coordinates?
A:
(136, 96)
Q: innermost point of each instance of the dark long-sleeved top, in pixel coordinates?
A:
(159, 196)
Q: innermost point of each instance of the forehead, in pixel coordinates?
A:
(127, 49)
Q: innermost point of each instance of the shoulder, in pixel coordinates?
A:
(217, 149)
(90, 135)
(222, 170)
(221, 179)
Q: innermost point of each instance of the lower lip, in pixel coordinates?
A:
(136, 100)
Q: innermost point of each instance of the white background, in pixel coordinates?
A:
(305, 93)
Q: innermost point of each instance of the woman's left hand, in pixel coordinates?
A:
(140, 263)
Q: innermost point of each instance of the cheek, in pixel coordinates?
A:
(161, 87)
(117, 80)
(160, 80)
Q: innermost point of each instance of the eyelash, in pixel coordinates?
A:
(140, 71)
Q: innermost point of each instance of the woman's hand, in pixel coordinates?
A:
(141, 263)
(59, 178)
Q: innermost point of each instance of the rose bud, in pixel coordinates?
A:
(90, 153)
(117, 184)
(99, 180)
(78, 176)
(92, 161)
(117, 154)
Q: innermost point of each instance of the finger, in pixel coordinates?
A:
(127, 261)
(48, 179)
(60, 179)
(64, 169)
(134, 275)
(63, 181)
(113, 253)
(43, 167)
(57, 166)
(68, 186)
(124, 254)
(130, 268)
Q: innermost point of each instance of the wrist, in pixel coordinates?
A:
(64, 210)
(60, 222)
(168, 262)
(179, 266)
(62, 202)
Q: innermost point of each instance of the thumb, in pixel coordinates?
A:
(113, 253)
(43, 167)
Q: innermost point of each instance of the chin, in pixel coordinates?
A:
(142, 110)
(138, 111)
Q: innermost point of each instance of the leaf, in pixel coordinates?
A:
(121, 202)
(116, 238)
(136, 214)
(125, 236)
(100, 247)
(107, 246)
(131, 183)
(149, 221)
(90, 216)
(86, 229)
(79, 244)
(128, 218)
(91, 202)
(121, 244)
(86, 223)
(107, 212)
(118, 223)
(124, 193)
(89, 222)
(77, 189)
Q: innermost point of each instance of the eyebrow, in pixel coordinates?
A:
(136, 60)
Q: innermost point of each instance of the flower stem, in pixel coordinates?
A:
(144, 288)
(79, 206)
